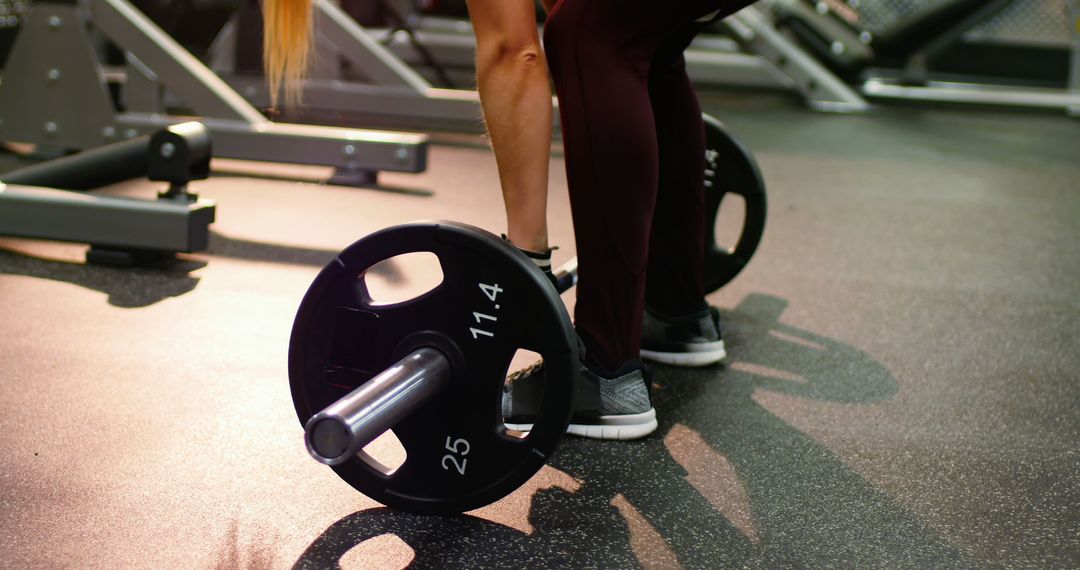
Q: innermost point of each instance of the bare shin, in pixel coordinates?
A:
(512, 78)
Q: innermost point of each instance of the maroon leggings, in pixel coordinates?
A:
(635, 152)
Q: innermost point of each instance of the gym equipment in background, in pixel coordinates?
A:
(404, 76)
(389, 93)
(431, 369)
(789, 65)
(46, 201)
(951, 51)
(56, 92)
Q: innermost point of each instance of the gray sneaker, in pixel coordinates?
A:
(604, 408)
(691, 340)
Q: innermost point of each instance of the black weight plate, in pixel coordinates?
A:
(730, 169)
(459, 456)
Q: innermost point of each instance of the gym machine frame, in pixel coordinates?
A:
(47, 200)
(56, 93)
(914, 82)
(397, 94)
(767, 59)
(820, 87)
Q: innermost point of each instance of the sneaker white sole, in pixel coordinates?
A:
(704, 355)
(622, 427)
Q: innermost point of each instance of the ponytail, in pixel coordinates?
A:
(286, 45)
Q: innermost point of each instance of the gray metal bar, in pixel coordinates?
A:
(47, 213)
(714, 60)
(302, 144)
(974, 94)
(142, 88)
(822, 89)
(354, 102)
(566, 276)
(180, 71)
(223, 48)
(455, 49)
(1074, 74)
(341, 430)
(325, 60)
(362, 50)
(89, 169)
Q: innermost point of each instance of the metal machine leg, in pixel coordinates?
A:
(822, 89)
(1074, 74)
(104, 221)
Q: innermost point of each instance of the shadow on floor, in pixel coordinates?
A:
(126, 287)
(142, 286)
(724, 482)
(248, 250)
(358, 180)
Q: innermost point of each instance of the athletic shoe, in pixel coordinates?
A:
(604, 408)
(691, 340)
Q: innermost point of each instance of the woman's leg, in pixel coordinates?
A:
(674, 281)
(600, 52)
(512, 78)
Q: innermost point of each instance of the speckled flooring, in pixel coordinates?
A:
(901, 389)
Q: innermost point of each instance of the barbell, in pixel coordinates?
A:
(432, 368)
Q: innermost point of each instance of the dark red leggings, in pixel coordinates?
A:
(635, 152)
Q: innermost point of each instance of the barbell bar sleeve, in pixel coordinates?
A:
(342, 429)
(566, 275)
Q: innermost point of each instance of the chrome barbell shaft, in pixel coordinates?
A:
(342, 429)
(566, 275)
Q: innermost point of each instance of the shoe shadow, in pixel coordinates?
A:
(455, 542)
(723, 482)
(726, 482)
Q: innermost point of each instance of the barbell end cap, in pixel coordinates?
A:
(328, 440)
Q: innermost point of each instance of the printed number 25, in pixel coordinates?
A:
(459, 447)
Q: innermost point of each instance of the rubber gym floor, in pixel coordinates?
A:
(901, 389)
